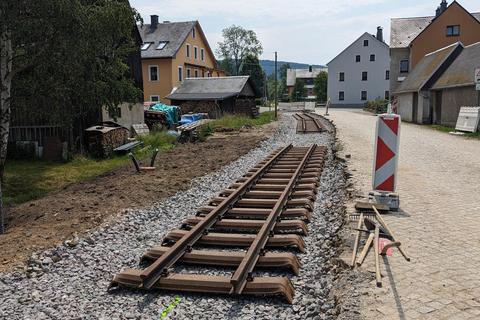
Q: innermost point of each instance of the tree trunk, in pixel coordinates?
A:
(6, 56)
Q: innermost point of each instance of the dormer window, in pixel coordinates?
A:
(453, 31)
(161, 45)
(146, 45)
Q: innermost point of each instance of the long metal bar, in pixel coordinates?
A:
(239, 278)
(155, 271)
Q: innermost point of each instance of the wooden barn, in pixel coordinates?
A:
(216, 96)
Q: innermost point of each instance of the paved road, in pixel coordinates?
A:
(439, 224)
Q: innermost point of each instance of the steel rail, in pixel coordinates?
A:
(160, 267)
(239, 278)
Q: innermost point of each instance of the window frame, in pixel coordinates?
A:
(408, 66)
(453, 28)
(341, 77)
(180, 73)
(151, 98)
(187, 50)
(189, 73)
(341, 95)
(147, 44)
(165, 43)
(365, 43)
(364, 75)
(358, 58)
(387, 74)
(195, 52)
(150, 73)
(194, 33)
(366, 95)
(373, 57)
(387, 95)
(195, 73)
(202, 54)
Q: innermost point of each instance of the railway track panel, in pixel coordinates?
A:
(268, 208)
(308, 122)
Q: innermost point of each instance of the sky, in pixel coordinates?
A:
(305, 31)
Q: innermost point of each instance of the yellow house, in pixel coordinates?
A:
(172, 52)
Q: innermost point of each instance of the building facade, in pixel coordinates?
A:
(361, 72)
(413, 38)
(172, 52)
(307, 76)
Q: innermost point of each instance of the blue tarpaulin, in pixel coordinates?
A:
(172, 112)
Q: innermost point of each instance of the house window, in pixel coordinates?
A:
(202, 54)
(372, 57)
(387, 95)
(194, 33)
(341, 95)
(342, 76)
(154, 98)
(365, 43)
(188, 51)
(387, 75)
(404, 66)
(364, 95)
(161, 45)
(180, 73)
(195, 53)
(453, 31)
(196, 73)
(189, 73)
(153, 73)
(357, 58)
(146, 45)
(364, 76)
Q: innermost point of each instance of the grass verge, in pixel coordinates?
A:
(27, 180)
(445, 129)
(236, 122)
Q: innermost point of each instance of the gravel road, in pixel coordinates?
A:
(70, 281)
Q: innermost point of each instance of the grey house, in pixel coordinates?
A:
(216, 96)
(456, 87)
(414, 95)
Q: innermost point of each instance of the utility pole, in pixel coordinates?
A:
(276, 85)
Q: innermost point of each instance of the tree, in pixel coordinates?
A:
(251, 67)
(298, 90)
(320, 86)
(66, 58)
(238, 43)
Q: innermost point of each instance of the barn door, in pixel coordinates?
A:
(438, 107)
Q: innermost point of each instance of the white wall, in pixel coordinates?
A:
(376, 85)
(131, 114)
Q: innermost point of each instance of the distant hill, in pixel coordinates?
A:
(269, 65)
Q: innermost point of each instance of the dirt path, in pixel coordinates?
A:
(45, 222)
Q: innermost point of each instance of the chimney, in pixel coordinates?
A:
(440, 9)
(380, 34)
(153, 21)
(310, 69)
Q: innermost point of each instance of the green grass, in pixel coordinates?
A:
(449, 129)
(236, 122)
(27, 180)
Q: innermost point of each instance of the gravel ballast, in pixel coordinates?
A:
(70, 281)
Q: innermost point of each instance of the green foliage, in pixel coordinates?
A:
(377, 106)
(298, 91)
(28, 180)
(238, 43)
(251, 67)
(161, 140)
(72, 59)
(281, 84)
(320, 86)
(235, 122)
(446, 129)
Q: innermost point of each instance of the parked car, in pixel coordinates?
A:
(189, 118)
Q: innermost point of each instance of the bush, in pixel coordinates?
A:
(161, 140)
(376, 106)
